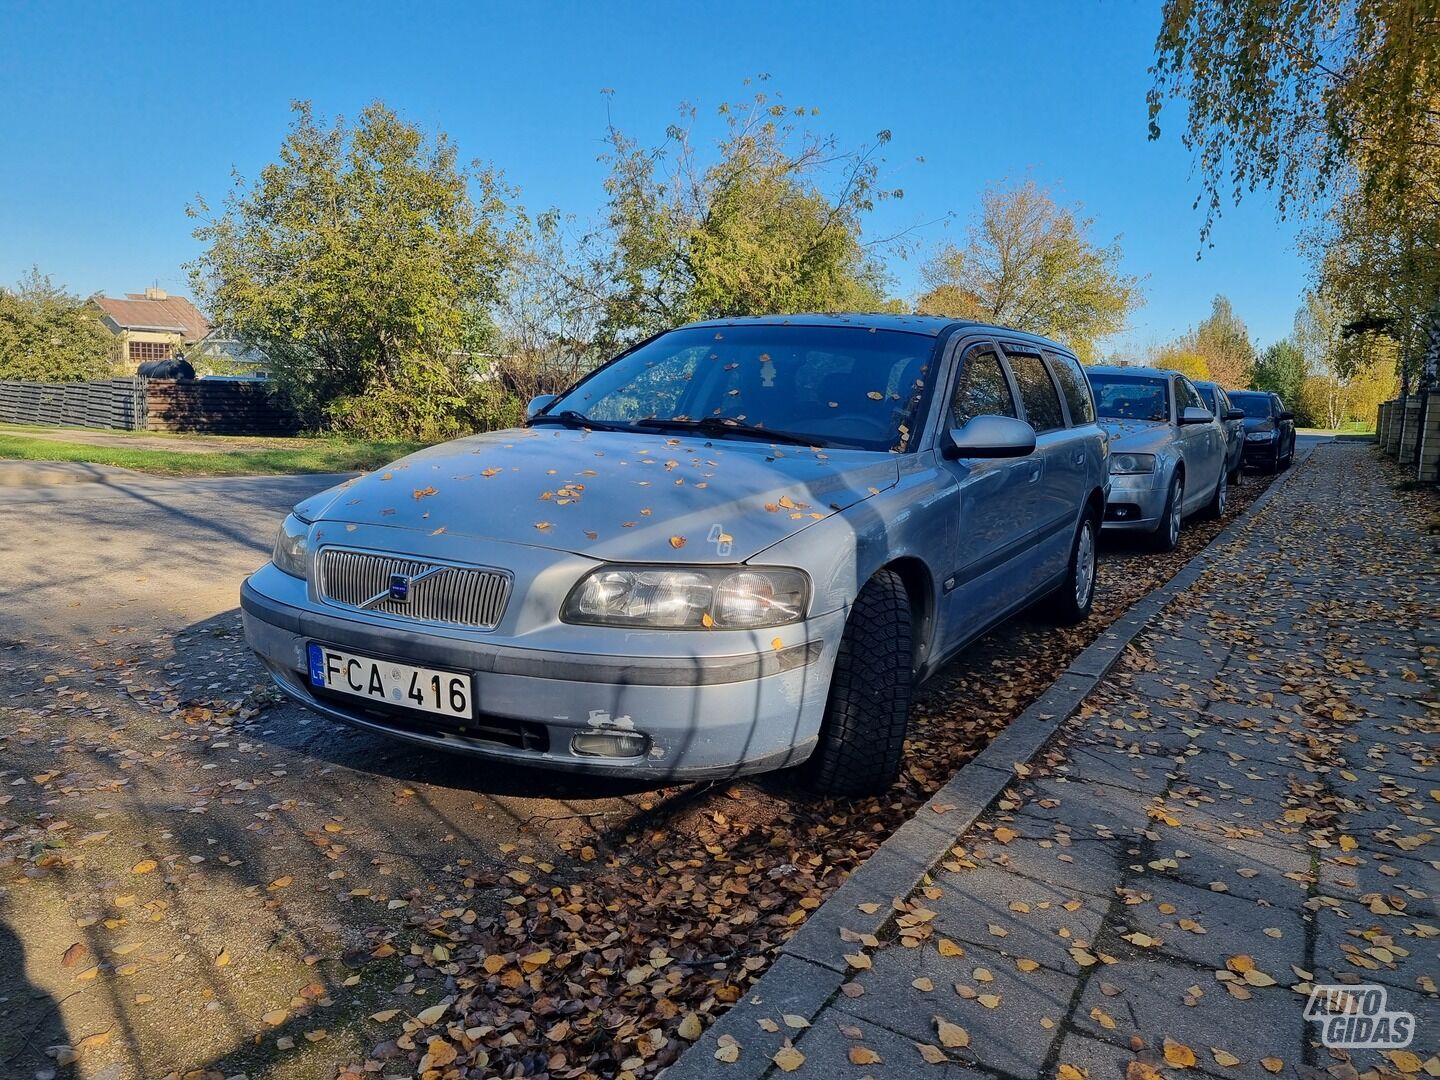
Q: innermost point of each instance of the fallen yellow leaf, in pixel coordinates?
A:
(788, 1058)
(952, 1036)
(1178, 1054)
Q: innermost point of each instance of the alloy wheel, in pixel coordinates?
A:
(1175, 511)
(1085, 563)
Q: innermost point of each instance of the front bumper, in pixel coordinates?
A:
(1136, 502)
(711, 715)
(1260, 451)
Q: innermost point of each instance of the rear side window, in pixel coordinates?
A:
(1037, 392)
(1075, 387)
(982, 389)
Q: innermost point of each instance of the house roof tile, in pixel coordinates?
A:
(136, 311)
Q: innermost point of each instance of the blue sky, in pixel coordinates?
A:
(113, 118)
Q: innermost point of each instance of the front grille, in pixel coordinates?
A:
(456, 595)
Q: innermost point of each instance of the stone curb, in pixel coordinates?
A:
(810, 967)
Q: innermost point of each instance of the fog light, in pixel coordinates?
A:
(609, 743)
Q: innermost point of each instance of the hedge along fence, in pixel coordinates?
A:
(198, 406)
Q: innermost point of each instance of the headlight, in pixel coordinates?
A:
(1259, 436)
(291, 544)
(689, 597)
(1131, 463)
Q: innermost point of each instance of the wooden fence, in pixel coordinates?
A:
(111, 403)
(216, 407)
(199, 406)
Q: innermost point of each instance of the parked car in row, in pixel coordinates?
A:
(735, 547)
(1167, 451)
(1269, 429)
(1232, 419)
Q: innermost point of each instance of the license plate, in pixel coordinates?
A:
(431, 690)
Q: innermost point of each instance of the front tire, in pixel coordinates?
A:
(1167, 534)
(1071, 602)
(862, 738)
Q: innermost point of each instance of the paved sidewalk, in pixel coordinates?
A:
(1245, 807)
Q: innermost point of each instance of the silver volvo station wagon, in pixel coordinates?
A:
(735, 547)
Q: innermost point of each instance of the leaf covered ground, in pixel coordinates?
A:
(1246, 809)
(200, 879)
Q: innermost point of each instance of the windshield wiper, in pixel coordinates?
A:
(571, 418)
(720, 425)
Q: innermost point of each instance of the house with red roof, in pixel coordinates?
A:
(152, 325)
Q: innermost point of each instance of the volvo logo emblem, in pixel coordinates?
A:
(402, 587)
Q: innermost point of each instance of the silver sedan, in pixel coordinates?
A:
(735, 547)
(1167, 451)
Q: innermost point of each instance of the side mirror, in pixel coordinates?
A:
(1287, 415)
(989, 437)
(1192, 415)
(537, 403)
(1234, 414)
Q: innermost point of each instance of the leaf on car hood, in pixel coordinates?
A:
(613, 495)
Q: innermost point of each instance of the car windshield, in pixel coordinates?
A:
(1207, 394)
(1255, 406)
(1130, 397)
(842, 386)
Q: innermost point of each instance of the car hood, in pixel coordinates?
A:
(1258, 424)
(1136, 436)
(618, 496)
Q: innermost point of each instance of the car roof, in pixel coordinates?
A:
(1256, 393)
(1125, 369)
(929, 325)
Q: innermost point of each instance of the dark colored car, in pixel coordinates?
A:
(1232, 419)
(1269, 429)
